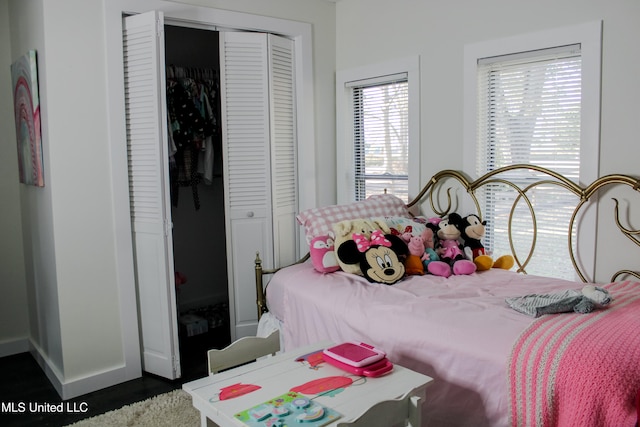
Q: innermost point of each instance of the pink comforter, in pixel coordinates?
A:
(458, 330)
(580, 370)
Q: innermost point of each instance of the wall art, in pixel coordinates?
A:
(24, 75)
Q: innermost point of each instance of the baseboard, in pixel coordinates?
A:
(51, 371)
(98, 381)
(70, 389)
(17, 346)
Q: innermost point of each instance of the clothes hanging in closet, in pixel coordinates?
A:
(193, 126)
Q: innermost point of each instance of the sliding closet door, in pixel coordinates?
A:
(147, 149)
(259, 150)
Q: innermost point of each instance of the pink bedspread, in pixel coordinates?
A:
(580, 370)
(458, 330)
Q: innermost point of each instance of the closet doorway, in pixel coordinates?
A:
(143, 215)
(192, 61)
(167, 135)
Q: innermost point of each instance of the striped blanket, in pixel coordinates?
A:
(582, 370)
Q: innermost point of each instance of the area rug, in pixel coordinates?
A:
(169, 409)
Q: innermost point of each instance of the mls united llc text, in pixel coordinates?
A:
(38, 407)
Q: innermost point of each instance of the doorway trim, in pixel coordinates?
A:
(198, 17)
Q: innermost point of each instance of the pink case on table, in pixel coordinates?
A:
(373, 370)
(355, 353)
(358, 358)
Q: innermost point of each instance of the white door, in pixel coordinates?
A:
(145, 104)
(259, 148)
(244, 99)
(284, 142)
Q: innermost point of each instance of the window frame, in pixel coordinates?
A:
(345, 174)
(589, 37)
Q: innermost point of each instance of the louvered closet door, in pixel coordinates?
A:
(283, 149)
(148, 189)
(253, 205)
(245, 132)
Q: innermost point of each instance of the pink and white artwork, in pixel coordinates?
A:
(24, 74)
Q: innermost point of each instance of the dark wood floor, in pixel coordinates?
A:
(23, 383)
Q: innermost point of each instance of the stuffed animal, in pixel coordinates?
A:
(344, 231)
(421, 250)
(449, 249)
(413, 263)
(378, 257)
(430, 254)
(322, 253)
(472, 230)
(402, 225)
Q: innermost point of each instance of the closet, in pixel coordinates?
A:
(208, 232)
(192, 75)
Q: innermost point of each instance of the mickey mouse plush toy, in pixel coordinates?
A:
(380, 257)
(472, 230)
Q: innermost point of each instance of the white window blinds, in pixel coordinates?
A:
(529, 111)
(381, 136)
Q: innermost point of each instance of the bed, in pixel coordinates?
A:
(492, 364)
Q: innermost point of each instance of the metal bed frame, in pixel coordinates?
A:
(438, 191)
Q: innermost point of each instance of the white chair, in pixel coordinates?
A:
(244, 350)
(398, 412)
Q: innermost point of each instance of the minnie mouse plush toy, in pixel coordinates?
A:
(448, 248)
(380, 257)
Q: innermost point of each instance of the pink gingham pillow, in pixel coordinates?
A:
(319, 221)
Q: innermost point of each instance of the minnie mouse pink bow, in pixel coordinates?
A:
(377, 239)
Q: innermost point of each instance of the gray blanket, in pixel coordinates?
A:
(536, 305)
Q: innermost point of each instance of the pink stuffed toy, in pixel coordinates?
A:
(413, 264)
(322, 253)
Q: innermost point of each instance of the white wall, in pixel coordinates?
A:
(69, 251)
(14, 321)
(83, 217)
(372, 31)
(27, 32)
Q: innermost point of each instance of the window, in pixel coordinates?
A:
(381, 138)
(536, 105)
(378, 131)
(529, 110)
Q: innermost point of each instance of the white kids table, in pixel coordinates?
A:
(274, 376)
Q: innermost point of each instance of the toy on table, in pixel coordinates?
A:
(358, 359)
(289, 409)
(329, 386)
(237, 390)
(312, 359)
(354, 353)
